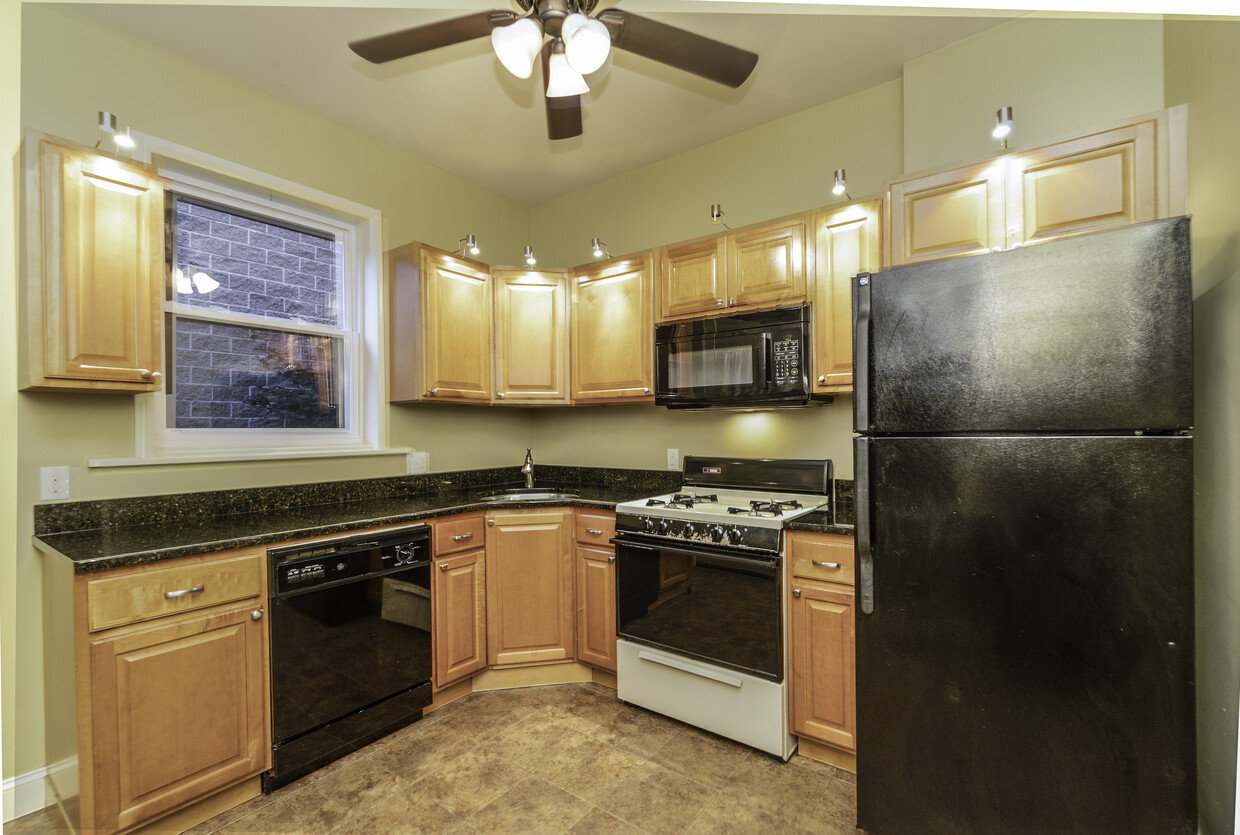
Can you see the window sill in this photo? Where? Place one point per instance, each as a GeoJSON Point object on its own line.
{"type": "Point", "coordinates": [222, 457]}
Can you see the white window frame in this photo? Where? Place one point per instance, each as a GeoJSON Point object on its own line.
{"type": "Point", "coordinates": [364, 384]}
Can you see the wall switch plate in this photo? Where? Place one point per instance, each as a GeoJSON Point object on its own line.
{"type": "Point", "coordinates": [53, 483]}
{"type": "Point", "coordinates": [673, 459]}
{"type": "Point", "coordinates": [419, 462]}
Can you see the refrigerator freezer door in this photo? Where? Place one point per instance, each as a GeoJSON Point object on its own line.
{"type": "Point", "coordinates": [1086, 334]}
{"type": "Point", "coordinates": [1028, 666]}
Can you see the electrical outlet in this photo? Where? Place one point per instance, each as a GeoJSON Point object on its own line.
{"type": "Point", "coordinates": [419, 462]}
{"type": "Point", "coordinates": [53, 483]}
{"type": "Point", "coordinates": [673, 459]}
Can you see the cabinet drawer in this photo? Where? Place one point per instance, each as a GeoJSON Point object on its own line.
{"type": "Point", "coordinates": [822, 557]}
{"type": "Point", "coordinates": [595, 528]}
{"type": "Point", "coordinates": [459, 533]}
{"type": "Point", "coordinates": [131, 598]}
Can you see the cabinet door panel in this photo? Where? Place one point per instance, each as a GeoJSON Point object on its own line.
{"type": "Point", "coordinates": [460, 616]}
{"type": "Point", "coordinates": [178, 711]}
{"type": "Point", "coordinates": [692, 279]}
{"type": "Point", "coordinates": [1084, 185]}
{"type": "Point", "coordinates": [457, 328]}
{"type": "Point", "coordinates": [531, 336]}
{"type": "Point", "coordinates": [530, 611]}
{"type": "Point", "coordinates": [824, 690]}
{"type": "Point", "coordinates": [766, 266]}
{"type": "Point", "coordinates": [957, 212]}
{"type": "Point", "coordinates": [96, 298]}
{"type": "Point", "coordinates": [613, 331]}
{"type": "Point", "coordinates": [848, 242]}
{"type": "Point", "coordinates": [596, 606]}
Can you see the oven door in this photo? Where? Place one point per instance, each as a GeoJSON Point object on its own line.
{"type": "Point", "coordinates": [718, 608]}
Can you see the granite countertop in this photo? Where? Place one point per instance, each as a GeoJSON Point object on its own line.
{"type": "Point", "coordinates": [818, 522]}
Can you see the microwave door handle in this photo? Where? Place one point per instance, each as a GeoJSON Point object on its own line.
{"type": "Point", "coordinates": [768, 361]}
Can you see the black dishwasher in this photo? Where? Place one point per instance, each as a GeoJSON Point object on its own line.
{"type": "Point", "coordinates": [350, 645]}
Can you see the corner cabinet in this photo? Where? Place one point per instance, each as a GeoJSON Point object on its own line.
{"type": "Point", "coordinates": [531, 336]}
{"type": "Point", "coordinates": [745, 269]}
{"type": "Point", "coordinates": [848, 240]}
{"type": "Point", "coordinates": [440, 326]}
{"type": "Point", "coordinates": [529, 570]}
{"type": "Point", "coordinates": [596, 589]}
{"type": "Point", "coordinates": [172, 684]}
{"type": "Point", "coordinates": [1115, 176]}
{"type": "Point", "coordinates": [823, 639]}
{"type": "Point", "coordinates": [613, 331]}
{"type": "Point", "coordinates": [458, 598]}
{"type": "Point", "coordinates": [95, 262]}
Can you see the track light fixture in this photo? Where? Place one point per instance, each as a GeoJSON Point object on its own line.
{"type": "Point", "coordinates": [107, 124]}
{"type": "Point", "coordinates": [841, 185]}
{"type": "Point", "coordinates": [599, 248]}
{"type": "Point", "coordinates": [529, 255]}
{"type": "Point", "coordinates": [467, 244]}
{"type": "Point", "coordinates": [1003, 125]}
{"type": "Point", "coordinates": [717, 215]}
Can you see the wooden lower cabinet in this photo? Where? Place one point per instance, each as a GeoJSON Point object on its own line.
{"type": "Point", "coordinates": [529, 570]}
{"type": "Point", "coordinates": [596, 589]}
{"type": "Point", "coordinates": [459, 614]}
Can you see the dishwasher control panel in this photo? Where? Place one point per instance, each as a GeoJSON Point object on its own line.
{"type": "Point", "coordinates": [301, 568]}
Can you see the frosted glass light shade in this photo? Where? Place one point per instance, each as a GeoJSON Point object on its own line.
{"type": "Point", "coordinates": [563, 80]}
{"type": "Point", "coordinates": [586, 43]}
{"type": "Point", "coordinates": [516, 45]}
{"type": "Point", "coordinates": [204, 283]}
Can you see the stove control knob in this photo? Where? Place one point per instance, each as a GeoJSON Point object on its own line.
{"type": "Point", "coordinates": [647, 524]}
{"type": "Point", "coordinates": [734, 536]}
{"type": "Point", "coordinates": [716, 533]}
{"type": "Point", "coordinates": [664, 526]}
{"type": "Point", "coordinates": [690, 530]}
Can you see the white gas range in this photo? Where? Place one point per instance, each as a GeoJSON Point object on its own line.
{"type": "Point", "coordinates": [700, 595]}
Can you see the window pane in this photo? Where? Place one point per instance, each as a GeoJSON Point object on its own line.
{"type": "Point", "coordinates": [228, 261]}
{"type": "Point", "coordinates": [230, 377]}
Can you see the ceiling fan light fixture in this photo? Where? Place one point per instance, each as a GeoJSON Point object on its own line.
{"type": "Point", "coordinates": [517, 45]}
{"type": "Point", "coordinates": [562, 79]}
{"type": "Point", "coordinates": [586, 43]}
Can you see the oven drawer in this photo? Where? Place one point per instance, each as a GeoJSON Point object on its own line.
{"type": "Point", "coordinates": [822, 556]}
{"type": "Point", "coordinates": [135, 597]}
{"type": "Point", "coordinates": [595, 527]}
{"type": "Point", "coordinates": [459, 533]}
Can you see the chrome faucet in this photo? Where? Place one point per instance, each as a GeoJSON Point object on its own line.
{"type": "Point", "coordinates": [528, 469]}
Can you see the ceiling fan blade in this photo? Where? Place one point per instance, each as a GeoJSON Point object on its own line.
{"type": "Point", "coordinates": [679, 48]}
{"type": "Point", "coordinates": [563, 112]}
{"type": "Point", "coordinates": [383, 48]}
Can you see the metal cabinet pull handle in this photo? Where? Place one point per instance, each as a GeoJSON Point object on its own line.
{"type": "Point", "coordinates": [718, 302]}
{"type": "Point", "coordinates": [822, 378]}
{"type": "Point", "coordinates": [731, 301]}
{"type": "Point", "coordinates": [645, 390]}
{"type": "Point", "coordinates": [499, 395]}
{"type": "Point", "coordinates": [147, 374]}
{"type": "Point", "coordinates": [826, 564]}
{"type": "Point", "coordinates": [593, 531]}
{"type": "Point", "coordinates": [170, 595]}
{"type": "Point", "coordinates": [433, 392]}
{"type": "Point", "coordinates": [490, 523]}
{"type": "Point", "coordinates": [611, 557]}
{"type": "Point", "coordinates": [796, 592]}
{"type": "Point", "coordinates": [257, 614]}
{"type": "Point", "coordinates": [443, 566]}
{"type": "Point", "coordinates": [462, 537]}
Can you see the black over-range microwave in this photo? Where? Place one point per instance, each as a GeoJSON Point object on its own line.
{"type": "Point", "coordinates": [745, 361]}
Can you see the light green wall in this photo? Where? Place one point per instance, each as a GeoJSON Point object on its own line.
{"type": "Point", "coordinates": [10, 137]}
{"type": "Point", "coordinates": [776, 169]}
{"type": "Point", "coordinates": [1059, 76]}
{"type": "Point", "coordinates": [1203, 64]}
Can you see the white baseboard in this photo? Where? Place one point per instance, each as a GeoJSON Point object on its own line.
{"type": "Point", "coordinates": [35, 790]}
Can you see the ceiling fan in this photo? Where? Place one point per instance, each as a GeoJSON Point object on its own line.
{"type": "Point", "coordinates": [578, 45]}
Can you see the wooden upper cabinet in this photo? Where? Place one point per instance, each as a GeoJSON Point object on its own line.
{"type": "Point", "coordinates": [766, 265]}
{"type": "Point", "coordinates": [94, 296]}
{"type": "Point", "coordinates": [613, 331]}
{"type": "Point", "coordinates": [531, 336]}
{"type": "Point", "coordinates": [692, 278]}
{"type": "Point", "coordinates": [947, 214]}
{"type": "Point", "coordinates": [848, 240]}
{"type": "Point", "coordinates": [1086, 184]}
{"type": "Point", "coordinates": [440, 334]}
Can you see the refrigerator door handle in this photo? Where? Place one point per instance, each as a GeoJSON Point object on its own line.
{"type": "Point", "coordinates": [865, 554]}
{"type": "Point", "coordinates": [861, 352]}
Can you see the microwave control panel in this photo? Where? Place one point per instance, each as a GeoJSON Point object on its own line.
{"type": "Point", "coordinates": [786, 360]}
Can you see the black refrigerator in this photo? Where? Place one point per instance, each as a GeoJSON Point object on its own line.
{"type": "Point", "coordinates": [1024, 633]}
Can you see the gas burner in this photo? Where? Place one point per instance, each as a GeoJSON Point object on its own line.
{"type": "Point", "coordinates": [655, 502]}
{"type": "Point", "coordinates": [688, 500]}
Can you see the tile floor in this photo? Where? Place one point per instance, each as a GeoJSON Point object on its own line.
{"type": "Point", "coordinates": [561, 758]}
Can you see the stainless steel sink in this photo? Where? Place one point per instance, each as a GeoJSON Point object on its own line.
{"type": "Point", "coordinates": [523, 495]}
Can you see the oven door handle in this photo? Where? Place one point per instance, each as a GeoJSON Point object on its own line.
{"type": "Point", "coordinates": [718, 559]}
{"type": "Point", "coordinates": [686, 666]}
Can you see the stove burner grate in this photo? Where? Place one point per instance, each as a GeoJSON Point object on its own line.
{"type": "Point", "coordinates": [688, 500]}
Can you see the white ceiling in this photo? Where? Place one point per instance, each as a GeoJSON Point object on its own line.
{"type": "Point", "coordinates": [458, 108]}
